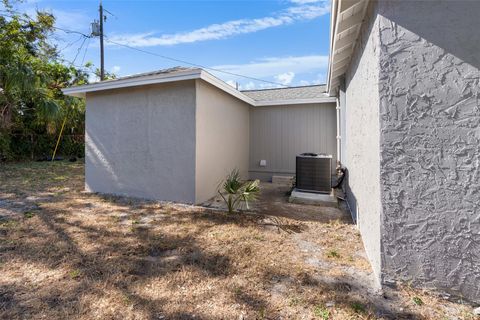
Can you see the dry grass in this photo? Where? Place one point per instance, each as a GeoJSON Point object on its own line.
{"type": "Point", "coordinates": [65, 253]}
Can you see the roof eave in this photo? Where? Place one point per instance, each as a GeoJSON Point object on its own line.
{"type": "Point", "coordinates": [325, 99]}
{"type": "Point", "coordinates": [206, 76]}
{"type": "Point", "coordinates": [346, 20]}
{"type": "Point", "coordinates": [80, 91]}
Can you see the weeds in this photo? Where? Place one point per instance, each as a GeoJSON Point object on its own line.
{"type": "Point", "coordinates": [358, 307]}
{"type": "Point", "coordinates": [333, 254]}
{"type": "Point", "coordinates": [321, 312]}
{"type": "Point", "coordinates": [294, 302]}
{"type": "Point", "coordinates": [417, 301]}
{"type": "Point", "coordinates": [28, 214]}
{"type": "Point", "coordinates": [75, 274]}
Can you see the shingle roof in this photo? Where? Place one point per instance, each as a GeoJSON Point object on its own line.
{"type": "Point", "coordinates": [292, 93]}
{"type": "Point", "coordinates": [266, 97]}
{"type": "Point", "coordinates": [156, 72]}
{"type": "Point", "coordinates": [306, 92]}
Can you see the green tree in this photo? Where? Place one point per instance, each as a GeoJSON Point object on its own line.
{"type": "Point", "coordinates": [31, 78]}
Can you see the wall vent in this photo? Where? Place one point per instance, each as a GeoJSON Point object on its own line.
{"type": "Point", "coordinates": [313, 172]}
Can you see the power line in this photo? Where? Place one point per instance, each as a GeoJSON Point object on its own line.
{"type": "Point", "coordinates": [79, 67]}
{"type": "Point", "coordinates": [71, 31]}
{"type": "Point", "coordinates": [116, 18]}
{"type": "Point", "coordinates": [71, 44]}
{"type": "Point", "coordinates": [85, 52]}
{"type": "Point", "coordinates": [79, 49]}
{"type": "Point", "coordinates": [24, 19]}
{"type": "Point", "coordinates": [193, 64]}
{"type": "Point", "coordinates": [164, 56]}
{"type": "Point", "coordinates": [82, 36]}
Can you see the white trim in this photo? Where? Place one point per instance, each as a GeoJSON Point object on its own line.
{"type": "Point", "coordinates": [333, 22]}
{"type": "Point", "coordinates": [225, 87]}
{"type": "Point", "coordinates": [346, 19]}
{"type": "Point", "coordinates": [326, 99]}
{"type": "Point", "coordinates": [80, 91]}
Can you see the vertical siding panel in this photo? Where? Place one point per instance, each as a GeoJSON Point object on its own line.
{"type": "Point", "coordinates": [279, 133]}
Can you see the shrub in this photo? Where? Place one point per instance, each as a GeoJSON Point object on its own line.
{"type": "Point", "coordinates": [234, 191]}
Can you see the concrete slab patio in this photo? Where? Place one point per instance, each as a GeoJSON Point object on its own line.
{"type": "Point", "coordinates": [274, 200]}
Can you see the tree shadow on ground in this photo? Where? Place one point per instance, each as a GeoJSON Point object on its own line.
{"type": "Point", "coordinates": [114, 260]}
{"type": "Point", "coordinates": [88, 256]}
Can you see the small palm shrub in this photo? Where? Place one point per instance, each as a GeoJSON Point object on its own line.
{"type": "Point", "coordinates": [234, 191]}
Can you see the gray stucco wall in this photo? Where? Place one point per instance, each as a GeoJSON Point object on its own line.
{"type": "Point", "coordinates": [361, 139]}
{"type": "Point", "coordinates": [279, 133]}
{"type": "Point", "coordinates": [141, 142]}
{"type": "Point", "coordinates": [222, 138]}
{"type": "Point", "coordinates": [430, 143]}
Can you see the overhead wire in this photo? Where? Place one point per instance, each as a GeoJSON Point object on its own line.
{"type": "Point", "coordinates": [191, 63]}
{"type": "Point", "coordinates": [79, 49]}
{"type": "Point", "coordinates": [7, 14]}
{"type": "Point", "coordinates": [85, 52]}
{"type": "Point", "coordinates": [71, 43]}
{"type": "Point", "coordinates": [158, 55]}
{"type": "Point", "coordinates": [82, 36]}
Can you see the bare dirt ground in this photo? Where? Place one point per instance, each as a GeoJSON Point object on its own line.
{"type": "Point", "coordinates": [68, 254]}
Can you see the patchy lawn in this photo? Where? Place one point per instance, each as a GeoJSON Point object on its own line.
{"type": "Point", "coordinates": [65, 253]}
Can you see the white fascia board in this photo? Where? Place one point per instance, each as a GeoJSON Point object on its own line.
{"type": "Point", "coordinates": [346, 17]}
{"type": "Point", "coordinates": [333, 24]}
{"type": "Point", "coordinates": [80, 91]}
{"type": "Point", "coordinates": [326, 99]}
{"type": "Point", "coordinates": [206, 76]}
{"type": "Point", "coordinates": [225, 87]}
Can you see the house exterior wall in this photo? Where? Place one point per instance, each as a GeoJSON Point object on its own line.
{"type": "Point", "coordinates": [141, 142]}
{"type": "Point", "coordinates": [279, 133]}
{"type": "Point", "coordinates": [430, 143]}
{"type": "Point", "coordinates": [361, 139]}
{"type": "Point", "coordinates": [222, 138]}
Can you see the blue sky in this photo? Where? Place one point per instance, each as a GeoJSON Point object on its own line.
{"type": "Point", "coordinates": [283, 41]}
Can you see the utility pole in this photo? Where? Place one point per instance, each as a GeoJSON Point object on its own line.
{"type": "Point", "coordinates": [102, 65]}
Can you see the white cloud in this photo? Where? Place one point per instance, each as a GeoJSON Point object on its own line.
{"type": "Point", "coordinates": [304, 1]}
{"type": "Point", "coordinates": [73, 20]}
{"type": "Point", "coordinates": [116, 69]}
{"type": "Point", "coordinates": [273, 66]}
{"type": "Point", "coordinates": [231, 83]}
{"type": "Point", "coordinates": [92, 78]}
{"type": "Point", "coordinates": [77, 20]}
{"type": "Point", "coordinates": [280, 70]}
{"type": "Point", "coordinates": [226, 29]}
{"type": "Point", "coordinates": [285, 78]}
{"type": "Point", "coordinates": [248, 86]}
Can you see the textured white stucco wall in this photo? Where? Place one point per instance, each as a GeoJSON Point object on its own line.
{"type": "Point", "coordinates": [222, 138]}
{"type": "Point", "coordinates": [279, 133]}
{"type": "Point", "coordinates": [141, 142]}
{"type": "Point", "coordinates": [361, 139]}
{"type": "Point", "coordinates": [430, 143]}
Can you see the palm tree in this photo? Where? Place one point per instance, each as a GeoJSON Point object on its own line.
{"type": "Point", "coordinates": [234, 191]}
